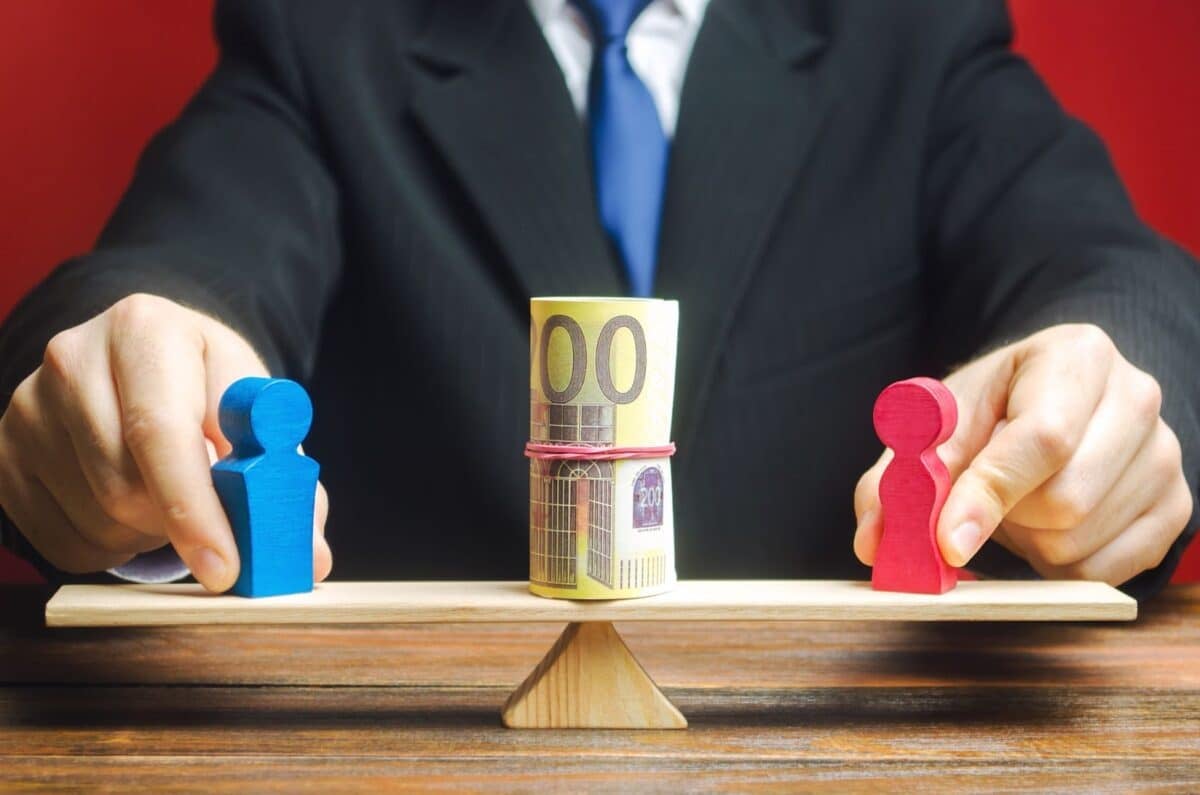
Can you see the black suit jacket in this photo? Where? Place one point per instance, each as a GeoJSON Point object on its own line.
{"type": "Point", "coordinates": [858, 192]}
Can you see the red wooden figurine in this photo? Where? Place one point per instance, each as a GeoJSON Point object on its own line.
{"type": "Point", "coordinates": [912, 418]}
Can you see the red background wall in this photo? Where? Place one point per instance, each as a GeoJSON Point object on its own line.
{"type": "Point", "coordinates": [1131, 69]}
{"type": "Point", "coordinates": [84, 83]}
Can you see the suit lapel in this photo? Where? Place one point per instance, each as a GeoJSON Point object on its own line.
{"type": "Point", "coordinates": [751, 107]}
{"type": "Point", "coordinates": [488, 91]}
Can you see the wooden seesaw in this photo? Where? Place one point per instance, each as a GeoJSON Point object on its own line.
{"type": "Point", "coordinates": [589, 678]}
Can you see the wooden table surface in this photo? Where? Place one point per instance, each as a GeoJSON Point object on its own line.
{"type": "Point", "coordinates": [785, 706]}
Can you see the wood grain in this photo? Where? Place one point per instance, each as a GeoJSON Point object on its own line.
{"type": "Point", "coordinates": [912, 418]}
{"type": "Point", "coordinates": [241, 772]}
{"type": "Point", "coordinates": [805, 706]}
{"type": "Point", "coordinates": [695, 600]}
{"type": "Point", "coordinates": [589, 680]}
{"type": "Point", "coordinates": [797, 724]}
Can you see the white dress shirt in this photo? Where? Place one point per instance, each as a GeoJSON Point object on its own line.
{"type": "Point", "coordinates": [659, 45]}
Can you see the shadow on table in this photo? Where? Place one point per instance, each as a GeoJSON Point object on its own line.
{"type": "Point", "coordinates": [253, 708]}
{"type": "Point", "coordinates": [862, 707]}
{"type": "Point", "coordinates": [962, 655]}
{"type": "Point", "coordinates": [130, 708]}
{"type": "Point", "coordinates": [921, 675]}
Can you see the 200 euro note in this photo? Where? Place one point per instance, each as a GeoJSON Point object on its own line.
{"type": "Point", "coordinates": [602, 380]}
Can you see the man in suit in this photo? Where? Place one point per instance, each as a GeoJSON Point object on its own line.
{"type": "Point", "coordinates": [840, 194]}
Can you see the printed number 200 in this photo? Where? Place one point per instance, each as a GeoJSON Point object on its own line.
{"type": "Point", "coordinates": [650, 497]}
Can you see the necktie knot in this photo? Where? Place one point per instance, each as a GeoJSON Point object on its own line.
{"type": "Point", "coordinates": [610, 20]}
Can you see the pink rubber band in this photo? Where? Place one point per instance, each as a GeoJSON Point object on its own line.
{"type": "Point", "coordinates": [575, 452]}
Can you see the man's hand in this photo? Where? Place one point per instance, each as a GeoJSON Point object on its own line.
{"type": "Point", "coordinates": [105, 449]}
{"type": "Point", "coordinates": [1061, 456]}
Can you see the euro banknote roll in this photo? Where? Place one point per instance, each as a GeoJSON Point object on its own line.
{"type": "Point", "coordinates": [602, 384]}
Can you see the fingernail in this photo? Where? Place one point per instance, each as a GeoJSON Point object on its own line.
{"type": "Point", "coordinates": [208, 566]}
{"type": "Point", "coordinates": [966, 539]}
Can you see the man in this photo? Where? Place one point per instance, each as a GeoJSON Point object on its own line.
{"type": "Point", "coordinates": [365, 195]}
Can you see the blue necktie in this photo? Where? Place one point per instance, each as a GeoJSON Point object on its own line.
{"type": "Point", "coordinates": [629, 149]}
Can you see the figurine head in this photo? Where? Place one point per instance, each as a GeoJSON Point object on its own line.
{"type": "Point", "coordinates": [914, 415]}
{"type": "Point", "coordinates": [262, 414]}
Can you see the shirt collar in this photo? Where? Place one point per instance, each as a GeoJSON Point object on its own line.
{"type": "Point", "coordinates": [546, 10]}
{"type": "Point", "coordinates": [690, 10]}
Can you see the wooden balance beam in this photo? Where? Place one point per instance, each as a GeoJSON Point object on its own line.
{"type": "Point", "coordinates": [589, 678]}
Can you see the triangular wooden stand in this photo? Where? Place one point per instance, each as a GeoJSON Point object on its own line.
{"type": "Point", "coordinates": [590, 680]}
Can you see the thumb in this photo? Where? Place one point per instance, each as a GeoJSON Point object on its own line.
{"type": "Point", "coordinates": [1024, 426]}
{"type": "Point", "coordinates": [981, 390]}
{"type": "Point", "coordinates": [869, 529]}
{"type": "Point", "coordinates": [322, 555]}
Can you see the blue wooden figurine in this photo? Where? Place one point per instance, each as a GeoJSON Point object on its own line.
{"type": "Point", "coordinates": [267, 486]}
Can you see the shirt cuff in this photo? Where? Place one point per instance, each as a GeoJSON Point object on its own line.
{"type": "Point", "coordinates": [159, 566]}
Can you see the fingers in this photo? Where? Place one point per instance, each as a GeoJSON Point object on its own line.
{"type": "Point", "coordinates": [227, 357]}
{"type": "Point", "coordinates": [106, 449]}
{"type": "Point", "coordinates": [159, 373]}
{"type": "Point", "coordinates": [1063, 457]}
{"type": "Point", "coordinates": [71, 492]}
{"type": "Point", "coordinates": [1152, 485]}
{"type": "Point", "coordinates": [49, 530]}
{"type": "Point", "coordinates": [981, 390]}
{"type": "Point", "coordinates": [866, 510]}
{"type": "Point", "coordinates": [322, 555]}
{"type": "Point", "coordinates": [1124, 420]}
{"type": "Point", "coordinates": [75, 387]}
{"type": "Point", "coordinates": [867, 536]}
{"type": "Point", "coordinates": [51, 494]}
{"type": "Point", "coordinates": [1052, 396]}
{"type": "Point", "coordinates": [1145, 482]}
{"type": "Point", "coordinates": [1142, 546]}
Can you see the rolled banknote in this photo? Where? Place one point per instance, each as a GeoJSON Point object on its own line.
{"type": "Point", "coordinates": [602, 382]}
